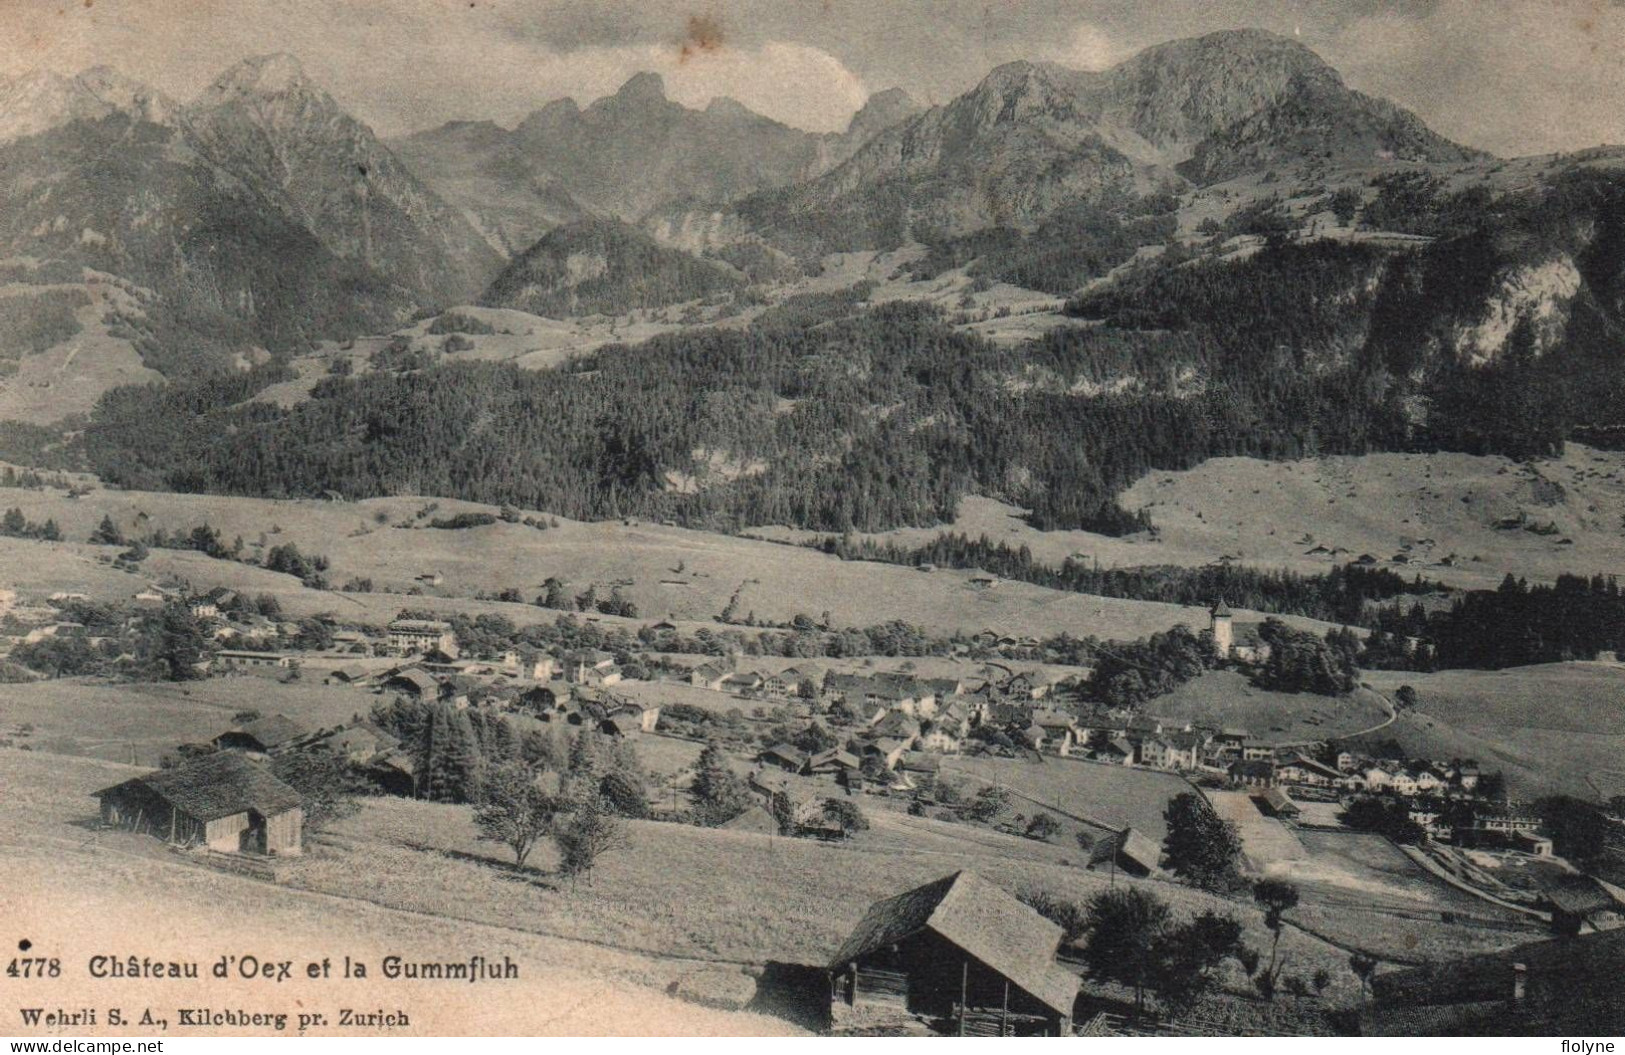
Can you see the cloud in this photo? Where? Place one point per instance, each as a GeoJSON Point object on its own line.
{"type": "Point", "coordinates": [1511, 76]}
{"type": "Point", "coordinates": [1089, 48]}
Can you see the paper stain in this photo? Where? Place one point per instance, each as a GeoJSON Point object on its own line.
{"type": "Point", "coordinates": [702, 36]}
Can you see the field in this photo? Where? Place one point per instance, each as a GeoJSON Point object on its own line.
{"type": "Point", "coordinates": [1105, 796]}
{"type": "Point", "coordinates": [659, 907]}
{"type": "Point", "coordinates": [1426, 506]}
{"type": "Point", "coordinates": [138, 724]}
{"type": "Point", "coordinates": [774, 582]}
{"type": "Point", "coordinates": [1226, 698]}
{"type": "Point", "coordinates": [120, 894]}
{"type": "Point", "coordinates": [1557, 726]}
{"type": "Point", "coordinates": [1362, 892]}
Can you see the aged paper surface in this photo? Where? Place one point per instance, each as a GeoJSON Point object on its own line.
{"type": "Point", "coordinates": [578, 517]}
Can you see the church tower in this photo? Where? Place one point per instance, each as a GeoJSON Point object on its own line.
{"type": "Point", "coordinates": [1222, 623]}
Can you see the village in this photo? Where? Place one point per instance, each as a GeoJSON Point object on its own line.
{"type": "Point", "coordinates": [833, 751]}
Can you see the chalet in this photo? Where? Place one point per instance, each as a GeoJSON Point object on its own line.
{"type": "Point", "coordinates": [408, 637]}
{"type": "Point", "coordinates": [223, 801]}
{"type": "Point", "coordinates": [922, 768]}
{"type": "Point", "coordinates": [1278, 804]}
{"type": "Point", "coordinates": [351, 641]}
{"type": "Point", "coordinates": [958, 714]}
{"type": "Point", "coordinates": [1057, 726]}
{"type": "Point", "coordinates": [645, 714]}
{"type": "Point", "coordinates": [414, 682]}
{"type": "Point", "coordinates": [1253, 773]}
{"type": "Point", "coordinates": [1257, 753]}
{"type": "Point", "coordinates": [783, 756]}
{"type": "Point", "coordinates": [548, 696]}
{"type": "Point", "coordinates": [829, 763]}
{"type": "Point", "coordinates": [359, 743]}
{"type": "Point", "coordinates": [959, 950]}
{"type": "Point", "coordinates": [1155, 751]}
{"type": "Point", "coordinates": [352, 674]}
{"type": "Point", "coordinates": [887, 750]}
{"type": "Point", "coordinates": [263, 736]}
{"type": "Point", "coordinates": [1347, 761]}
{"type": "Point", "coordinates": [897, 726]}
{"type": "Point", "coordinates": [747, 683]}
{"type": "Point", "coordinates": [1184, 749]}
{"type": "Point", "coordinates": [783, 685]}
{"type": "Point", "coordinates": [1130, 851]}
{"type": "Point", "coordinates": [622, 725]}
{"type": "Point", "coordinates": [709, 676]}
{"type": "Point", "coordinates": [394, 772]}
{"type": "Point", "coordinates": [1117, 752]}
{"type": "Point", "coordinates": [593, 668]}
{"type": "Point", "coordinates": [935, 736]}
{"type": "Point", "coordinates": [1301, 769]}
{"type": "Point", "coordinates": [249, 661]}
{"type": "Point", "coordinates": [1142, 725]}
{"type": "Point", "coordinates": [1025, 687]}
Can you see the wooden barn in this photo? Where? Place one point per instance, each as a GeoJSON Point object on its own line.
{"type": "Point", "coordinates": [224, 801]}
{"type": "Point", "coordinates": [960, 951]}
{"type": "Point", "coordinates": [262, 736]}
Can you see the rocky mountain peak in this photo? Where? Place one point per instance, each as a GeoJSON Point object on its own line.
{"type": "Point", "coordinates": [646, 85]}
{"type": "Point", "coordinates": [277, 74]}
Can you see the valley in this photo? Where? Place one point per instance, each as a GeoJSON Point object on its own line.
{"type": "Point", "coordinates": [1146, 535]}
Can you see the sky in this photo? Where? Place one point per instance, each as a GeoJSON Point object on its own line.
{"type": "Point", "coordinates": [1510, 76]}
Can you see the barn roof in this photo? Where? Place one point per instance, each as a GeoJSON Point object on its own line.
{"type": "Point", "coordinates": [1581, 896]}
{"type": "Point", "coordinates": [216, 785]}
{"type": "Point", "coordinates": [421, 680]}
{"type": "Point", "coordinates": [271, 731]}
{"type": "Point", "coordinates": [1279, 801]}
{"type": "Point", "coordinates": [755, 819]}
{"type": "Point", "coordinates": [1139, 848]}
{"type": "Point", "coordinates": [979, 918]}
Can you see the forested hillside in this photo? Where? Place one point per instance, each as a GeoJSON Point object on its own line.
{"type": "Point", "coordinates": [828, 413]}
{"type": "Point", "coordinates": [603, 267]}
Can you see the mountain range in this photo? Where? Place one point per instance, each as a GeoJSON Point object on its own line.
{"type": "Point", "coordinates": [261, 217]}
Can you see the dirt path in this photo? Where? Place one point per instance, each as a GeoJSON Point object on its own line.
{"type": "Point", "coordinates": [1387, 704]}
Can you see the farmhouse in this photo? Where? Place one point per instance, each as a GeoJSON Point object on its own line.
{"type": "Point", "coordinates": [359, 743]}
{"type": "Point", "coordinates": [414, 682]}
{"type": "Point", "coordinates": [959, 950]}
{"type": "Point", "coordinates": [223, 801]}
{"type": "Point", "coordinates": [593, 668]}
{"type": "Point", "coordinates": [709, 676]}
{"type": "Point", "coordinates": [784, 756]}
{"type": "Point", "coordinates": [830, 763]}
{"type": "Point", "coordinates": [262, 736]}
{"type": "Point", "coordinates": [1301, 769]}
{"type": "Point", "coordinates": [413, 636]}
